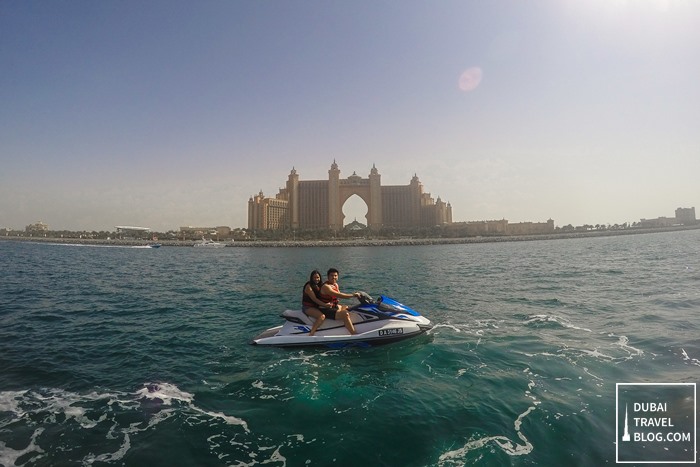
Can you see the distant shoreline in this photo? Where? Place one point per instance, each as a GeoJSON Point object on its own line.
{"type": "Point", "coordinates": [357, 242]}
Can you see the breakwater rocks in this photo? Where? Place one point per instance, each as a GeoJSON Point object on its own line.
{"type": "Point", "coordinates": [367, 242]}
{"type": "Point", "coordinates": [364, 242]}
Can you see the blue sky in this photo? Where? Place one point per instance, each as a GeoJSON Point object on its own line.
{"type": "Point", "coordinates": [173, 113]}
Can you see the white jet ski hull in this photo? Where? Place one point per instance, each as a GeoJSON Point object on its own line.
{"type": "Point", "coordinates": [333, 333]}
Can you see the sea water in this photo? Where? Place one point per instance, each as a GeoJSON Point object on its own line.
{"type": "Point", "coordinates": [122, 356]}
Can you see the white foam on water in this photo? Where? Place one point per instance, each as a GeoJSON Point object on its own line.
{"type": "Point", "coordinates": [53, 403]}
{"type": "Point", "coordinates": [603, 352]}
{"type": "Point", "coordinates": [9, 456]}
{"type": "Point", "coordinates": [168, 393]}
{"type": "Point", "coordinates": [448, 326]}
{"type": "Point", "coordinates": [112, 456]}
{"type": "Point", "coordinates": [10, 402]}
{"type": "Point", "coordinates": [277, 457]}
{"type": "Point", "coordinates": [260, 385]}
{"type": "Point", "coordinates": [560, 320]}
{"type": "Point", "coordinates": [477, 328]}
{"type": "Point", "coordinates": [692, 361]}
{"type": "Point", "coordinates": [270, 392]}
{"type": "Point", "coordinates": [165, 392]}
{"type": "Point", "coordinates": [51, 407]}
{"type": "Point", "coordinates": [456, 457]}
{"type": "Point", "coordinates": [366, 404]}
{"type": "Point", "coordinates": [231, 420]}
{"type": "Point", "coordinates": [623, 343]}
{"type": "Point", "coordinates": [488, 323]}
{"type": "Point", "coordinates": [424, 362]}
{"type": "Point", "coordinates": [585, 369]}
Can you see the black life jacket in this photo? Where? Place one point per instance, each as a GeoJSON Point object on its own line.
{"type": "Point", "coordinates": [305, 299]}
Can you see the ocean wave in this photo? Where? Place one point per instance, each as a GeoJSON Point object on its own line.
{"type": "Point", "coordinates": [116, 416]}
{"type": "Point", "coordinates": [552, 320]}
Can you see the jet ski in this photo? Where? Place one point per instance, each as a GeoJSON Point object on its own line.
{"type": "Point", "coordinates": [377, 322]}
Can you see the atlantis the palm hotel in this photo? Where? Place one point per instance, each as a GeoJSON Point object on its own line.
{"type": "Point", "coordinates": [318, 205]}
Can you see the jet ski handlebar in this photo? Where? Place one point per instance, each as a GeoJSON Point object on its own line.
{"type": "Point", "coordinates": [365, 298]}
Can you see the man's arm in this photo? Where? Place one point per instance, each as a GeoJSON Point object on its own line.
{"type": "Point", "coordinates": [327, 290]}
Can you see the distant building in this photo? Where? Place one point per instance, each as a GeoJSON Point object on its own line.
{"type": "Point", "coordinates": [686, 216]}
{"type": "Point", "coordinates": [39, 227]}
{"type": "Point", "coordinates": [499, 227]}
{"type": "Point", "coordinates": [478, 228]}
{"type": "Point", "coordinates": [221, 231]}
{"type": "Point", "coordinates": [658, 222]}
{"type": "Point", "coordinates": [267, 213]}
{"type": "Point", "coordinates": [318, 204]}
{"type": "Point", "coordinates": [531, 228]}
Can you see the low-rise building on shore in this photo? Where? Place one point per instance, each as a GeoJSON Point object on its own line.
{"type": "Point", "coordinates": [220, 231]}
{"type": "Point", "coordinates": [684, 216]}
{"type": "Point", "coordinates": [498, 227]}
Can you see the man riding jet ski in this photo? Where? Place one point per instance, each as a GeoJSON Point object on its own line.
{"type": "Point", "coordinates": [376, 322]}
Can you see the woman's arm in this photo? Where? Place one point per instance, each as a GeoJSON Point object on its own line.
{"type": "Point", "coordinates": [310, 293]}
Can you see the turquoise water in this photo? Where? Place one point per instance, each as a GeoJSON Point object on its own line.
{"type": "Point", "coordinates": [123, 356]}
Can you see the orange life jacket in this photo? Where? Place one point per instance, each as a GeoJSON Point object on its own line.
{"type": "Point", "coordinates": [330, 298]}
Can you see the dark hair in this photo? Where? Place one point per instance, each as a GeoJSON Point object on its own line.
{"type": "Point", "coordinates": [313, 273]}
{"type": "Point", "coordinates": [332, 270]}
{"type": "Point", "coordinates": [316, 287]}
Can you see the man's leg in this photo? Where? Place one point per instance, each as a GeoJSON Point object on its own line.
{"type": "Point", "coordinates": [348, 322]}
{"type": "Point", "coordinates": [320, 318]}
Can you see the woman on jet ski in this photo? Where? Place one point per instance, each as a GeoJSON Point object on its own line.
{"type": "Point", "coordinates": [311, 302]}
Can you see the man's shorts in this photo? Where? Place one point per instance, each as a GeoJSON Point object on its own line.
{"type": "Point", "coordinates": [329, 312]}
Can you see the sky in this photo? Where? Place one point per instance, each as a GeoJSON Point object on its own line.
{"type": "Point", "coordinates": [172, 113]}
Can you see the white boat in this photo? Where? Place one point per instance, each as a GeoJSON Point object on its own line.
{"type": "Point", "coordinates": [208, 243]}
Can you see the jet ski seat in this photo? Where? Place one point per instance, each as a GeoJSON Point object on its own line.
{"type": "Point", "coordinates": [297, 316]}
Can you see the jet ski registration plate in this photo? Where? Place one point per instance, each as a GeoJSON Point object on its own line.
{"type": "Point", "coordinates": [389, 332]}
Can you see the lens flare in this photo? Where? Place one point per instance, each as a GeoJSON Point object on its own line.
{"type": "Point", "coordinates": [470, 79]}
